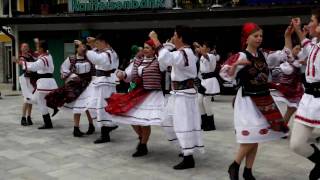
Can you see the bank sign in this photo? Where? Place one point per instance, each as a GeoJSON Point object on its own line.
{"type": "Point", "coordinates": [109, 5]}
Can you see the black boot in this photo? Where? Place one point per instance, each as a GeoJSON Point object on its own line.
{"type": "Point", "coordinates": [247, 174]}
{"type": "Point", "coordinates": [188, 162]}
{"type": "Point", "coordinates": [315, 158]}
{"type": "Point", "coordinates": [55, 111]}
{"type": "Point", "coordinates": [104, 136]}
{"type": "Point", "coordinates": [24, 121]}
{"type": "Point", "coordinates": [77, 132]}
{"type": "Point", "coordinates": [234, 171]}
{"type": "Point", "coordinates": [91, 129]}
{"type": "Point", "coordinates": [142, 150]}
{"type": "Point", "coordinates": [47, 122]}
{"type": "Point", "coordinates": [203, 121]}
{"type": "Point", "coordinates": [29, 121]}
{"type": "Point", "coordinates": [210, 126]}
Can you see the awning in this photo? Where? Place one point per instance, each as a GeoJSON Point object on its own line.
{"type": "Point", "coordinates": [4, 38]}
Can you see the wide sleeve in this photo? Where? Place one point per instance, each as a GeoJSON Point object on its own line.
{"type": "Point", "coordinates": [307, 45]}
{"type": "Point", "coordinates": [98, 58]}
{"type": "Point", "coordinates": [276, 58]}
{"type": "Point", "coordinates": [167, 58]}
{"type": "Point", "coordinates": [35, 66]}
{"type": "Point", "coordinates": [65, 68]}
{"type": "Point", "coordinates": [129, 71]}
{"type": "Point", "coordinates": [213, 61]}
{"type": "Point", "coordinates": [227, 65]}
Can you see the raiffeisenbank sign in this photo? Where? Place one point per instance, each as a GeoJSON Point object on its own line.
{"type": "Point", "coordinates": [109, 5]}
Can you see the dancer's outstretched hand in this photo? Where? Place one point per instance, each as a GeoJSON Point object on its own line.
{"type": "Point", "coordinates": [121, 75]}
{"type": "Point", "coordinates": [296, 23]}
{"type": "Point", "coordinates": [154, 36]}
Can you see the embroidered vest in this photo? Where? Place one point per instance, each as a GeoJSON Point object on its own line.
{"type": "Point", "coordinates": [151, 74]}
{"type": "Point", "coordinates": [73, 60]}
{"type": "Point", "coordinates": [253, 78]}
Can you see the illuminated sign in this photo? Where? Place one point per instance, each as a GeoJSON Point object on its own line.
{"type": "Point", "coordinates": [110, 5]}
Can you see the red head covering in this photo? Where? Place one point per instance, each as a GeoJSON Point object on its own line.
{"type": "Point", "coordinates": [247, 30]}
{"type": "Point", "coordinates": [150, 43]}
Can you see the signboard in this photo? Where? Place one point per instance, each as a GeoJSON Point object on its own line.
{"type": "Point", "coordinates": [110, 5]}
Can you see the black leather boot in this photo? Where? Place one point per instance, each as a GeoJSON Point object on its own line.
{"type": "Point", "coordinates": [104, 136]}
{"type": "Point", "coordinates": [210, 126]}
{"type": "Point", "coordinates": [315, 158]}
{"type": "Point", "coordinates": [47, 122]}
{"type": "Point", "coordinates": [142, 150]}
{"type": "Point", "coordinates": [91, 129]}
{"type": "Point", "coordinates": [247, 174]}
{"type": "Point", "coordinates": [24, 121]}
{"type": "Point", "coordinates": [77, 132]}
{"type": "Point", "coordinates": [234, 171]}
{"type": "Point", "coordinates": [203, 121]}
{"type": "Point", "coordinates": [187, 162]}
{"type": "Point", "coordinates": [29, 121]}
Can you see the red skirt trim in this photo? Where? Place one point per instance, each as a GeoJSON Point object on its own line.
{"type": "Point", "coordinates": [120, 103]}
{"type": "Point", "coordinates": [271, 112]}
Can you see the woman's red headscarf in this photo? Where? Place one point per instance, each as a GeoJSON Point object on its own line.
{"type": "Point", "coordinates": [150, 43]}
{"type": "Point", "coordinates": [247, 30]}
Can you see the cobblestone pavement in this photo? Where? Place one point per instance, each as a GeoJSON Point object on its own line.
{"type": "Point", "coordinates": [28, 153]}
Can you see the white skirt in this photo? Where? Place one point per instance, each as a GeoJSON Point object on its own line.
{"type": "Point", "coordinates": [80, 104]}
{"type": "Point", "coordinates": [149, 112]}
{"type": "Point", "coordinates": [91, 102]}
{"type": "Point", "coordinates": [278, 97]}
{"type": "Point", "coordinates": [212, 86]}
{"type": "Point", "coordinates": [46, 85]}
{"type": "Point", "coordinates": [250, 124]}
{"type": "Point", "coordinates": [308, 112]}
{"type": "Point", "coordinates": [102, 91]}
{"type": "Point", "coordinates": [26, 88]}
{"type": "Point", "coordinates": [182, 122]}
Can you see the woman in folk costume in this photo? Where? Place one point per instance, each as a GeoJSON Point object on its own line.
{"type": "Point", "coordinates": [286, 63]}
{"type": "Point", "coordinates": [210, 86]}
{"type": "Point", "coordinates": [106, 61]}
{"type": "Point", "coordinates": [308, 113]}
{"type": "Point", "coordinates": [143, 105]}
{"type": "Point", "coordinates": [45, 83]}
{"type": "Point", "coordinates": [256, 117]}
{"type": "Point", "coordinates": [182, 119]}
{"type": "Point", "coordinates": [28, 82]}
{"type": "Point", "coordinates": [76, 72]}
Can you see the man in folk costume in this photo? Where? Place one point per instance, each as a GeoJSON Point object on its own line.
{"type": "Point", "coordinates": [45, 83]}
{"type": "Point", "coordinates": [76, 72]}
{"type": "Point", "coordinates": [28, 82]}
{"type": "Point", "coordinates": [308, 113]}
{"type": "Point", "coordinates": [256, 116]}
{"type": "Point", "coordinates": [106, 61]}
{"type": "Point", "coordinates": [209, 85]}
{"type": "Point", "coordinates": [182, 119]}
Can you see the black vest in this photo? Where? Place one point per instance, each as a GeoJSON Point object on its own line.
{"type": "Point", "coordinates": [253, 78]}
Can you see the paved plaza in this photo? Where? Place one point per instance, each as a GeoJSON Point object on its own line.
{"type": "Point", "coordinates": [30, 154]}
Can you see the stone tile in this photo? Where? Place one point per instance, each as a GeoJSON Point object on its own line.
{"type": "Point", "coordinates": [27, 153]}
